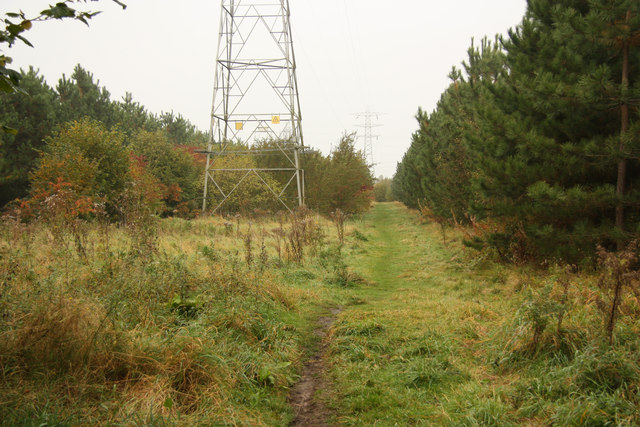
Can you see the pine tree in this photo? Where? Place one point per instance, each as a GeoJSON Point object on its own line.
{"type": "Point", "coordinates": [616, 25]}
{"type": "Point", "coordinates": [33, 113]}
{"type": "Point", "coordinates": [437, 171]}
{"type": "Point", "coordinates": [545, 147]}
{"type": "Point", "coordinates": [80, 96]}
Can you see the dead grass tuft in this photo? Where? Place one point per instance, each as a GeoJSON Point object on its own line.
{"type": "Point", "coordinates": [63, 334]}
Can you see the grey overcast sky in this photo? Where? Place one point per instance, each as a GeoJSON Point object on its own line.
{"type": "Point", "coordinates": [352, 55]}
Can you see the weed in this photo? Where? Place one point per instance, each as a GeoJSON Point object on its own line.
{"type": "Point", "coordinates": [228, 228]}
{"type": "Point", "coordinates": [187, 307]}
{"type": "Point", "coordinates": [279, 237]}
{"type": "Point", "coordinates": [263, 257]}
{"type": "Point", "coordinates": [248, 245]}
{"type": "Point", "coordinates": [304, 232]}
{"type": "Point", "coordinates": [332, 260]}
{"type": "Point", "coordinates": [339, 219]}
{"type": "Point", "coordinates": [564, 283]}
{"type": "Point", "coordinates": [296, 237]}
{"type": "Point", "coordinates": [209, 252]}
{"type": "Point", "coordinates": [542, 307]}
{"type": "Point", "coordinates": [619, 273]}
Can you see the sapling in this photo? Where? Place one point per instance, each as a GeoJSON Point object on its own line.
{"type": "Point", "coordinates": [339, 218]}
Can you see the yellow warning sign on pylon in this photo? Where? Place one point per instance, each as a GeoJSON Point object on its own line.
{"type": "Point", "coordinates": [239, 125]}
{"type": "Point", "coordinates": [275, 120]}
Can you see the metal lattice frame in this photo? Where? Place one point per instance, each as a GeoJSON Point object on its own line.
{"type": "Point", "coordinates": [255, 94]}
{"type": "Point", "coordinates": [368, 136]}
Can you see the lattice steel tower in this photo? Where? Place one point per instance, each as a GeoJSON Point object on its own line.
{"type": "Point", "coordinates": [255, 97]}
{"type": "Point", "coordinates": [368, 136]}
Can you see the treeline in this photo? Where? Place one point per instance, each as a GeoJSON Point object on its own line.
{"type": "Point", "coordinates": [39, 113]}
{"type": "Point", "coordinates": [74, 143]}
{"type": "Point", "coordinates": [536, 140]}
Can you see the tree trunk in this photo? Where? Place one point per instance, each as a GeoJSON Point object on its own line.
{"type": "Point", "coordinates": [624, 128]}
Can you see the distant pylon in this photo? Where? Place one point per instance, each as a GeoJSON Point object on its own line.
{"type": "Point", "coordinates": [255, 95]}
{"type": "Point", "coordinates": [368, 136]}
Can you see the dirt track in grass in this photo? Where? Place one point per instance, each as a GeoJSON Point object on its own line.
{"type": "Point", "coordinates": [306, 396]}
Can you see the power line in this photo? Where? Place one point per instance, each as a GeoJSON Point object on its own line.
{"type": "Point", "coordinates": [360, 76]}
{"type": "Point", "coordinates": [323, 88]}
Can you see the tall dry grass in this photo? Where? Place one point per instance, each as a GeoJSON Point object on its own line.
{"type": "Point", "coordinates": [151, 322]}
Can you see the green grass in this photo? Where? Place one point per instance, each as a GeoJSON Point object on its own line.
{"type": "Point", "coordinates": [430, 333]}
{"type": "Point", "coordinates": [435, 339]}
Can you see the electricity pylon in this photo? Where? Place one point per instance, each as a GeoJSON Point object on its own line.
{"type": "Point", "coordinates": [368, 136]}
{"type": "Point", "coordinates": [255, 96]}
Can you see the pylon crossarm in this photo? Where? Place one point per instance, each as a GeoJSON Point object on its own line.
{"type": "Point", "coordinates": [258, 152]}
{"type": "Point", "coordinates": [256, 118]}
{"type": "Point", "coordinates": [255, 65]}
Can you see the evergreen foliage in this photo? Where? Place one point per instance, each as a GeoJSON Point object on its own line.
{"type": "Point", "coordinates": [33, 116]}
{"type": "Point", "coordinates": [540, 134]}
{"type": "Point", "coordinates": [80, 96]}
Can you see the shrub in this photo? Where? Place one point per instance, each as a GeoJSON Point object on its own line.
{"type": "Point", "coordinates": [175, 169]}
{"type": "Point", "coordinates": [93, 160]}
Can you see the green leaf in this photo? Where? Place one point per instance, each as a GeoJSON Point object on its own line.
{"type": "Point", "coordinates": [59, 11]}
{"type": "Point", "coordinates": [12, 75]}
{"type": "Point", "coordinates": [14, 29]}
{"type": "Point", "coordinates": [4, 60]}
{"type": "Point", "coordinates": [11, 131]}
{"type": "Point", "coordinates": [168, 403]}
{"type": "Point", "coordinates": [25, 41]}
{"type": "Point", "coordinates": [5, 85]}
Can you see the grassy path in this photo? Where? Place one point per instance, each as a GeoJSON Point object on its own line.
{"type": "Point", "coordinates": [404, 350]}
